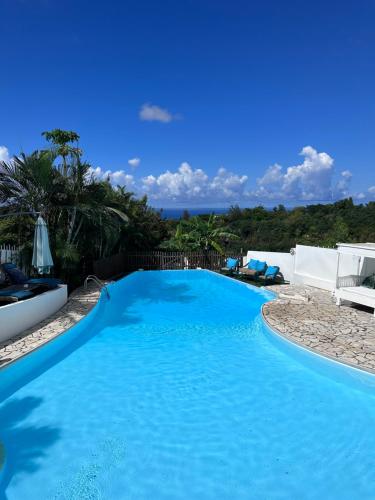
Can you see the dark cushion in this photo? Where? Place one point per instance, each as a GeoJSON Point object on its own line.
{"type": "Point", "coordinates": [15, 275]}
{"type": "Point", "coordinates": [21, 294]}
{"type": "Point", "coordinates": [3, 278]}
{"type": "Point", "coordinates": [369, 282]}
{"type": "Point", "coordinates": [50, 282]}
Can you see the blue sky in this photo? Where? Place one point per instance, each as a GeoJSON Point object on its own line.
{"type": "Point", "coordinates": [216, 99]}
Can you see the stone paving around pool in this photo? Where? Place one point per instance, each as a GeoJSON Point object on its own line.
{"type": "Point", "coordinates": [309, 317]}
{"type": "Point", "coordinates": [80, 302]}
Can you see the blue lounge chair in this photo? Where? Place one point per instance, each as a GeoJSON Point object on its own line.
{"type": "Point", "coordinates": [254, 268]}
{"type": "Point", "coordinates": [231, 265]}
{"type": "Point", "coordinates": [270, 274]}
{"type": "Point", "coordinates": [16, 277]}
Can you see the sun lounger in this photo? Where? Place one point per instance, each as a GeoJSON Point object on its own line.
{"type": "Point", "coordinates": [254, 268]}
{"type": "Point", "coordinates": [16, 277]}
{"type": "Point", "coordinates": [270, 274]}
{"type": "Point", "coordinates": [231, 265]}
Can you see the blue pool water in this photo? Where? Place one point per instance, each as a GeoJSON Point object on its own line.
{"type": "Point", "coordinates": [174, 389]}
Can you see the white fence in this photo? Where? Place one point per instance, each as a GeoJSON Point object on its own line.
{"type": "Point", "coordinates": [8, 253]}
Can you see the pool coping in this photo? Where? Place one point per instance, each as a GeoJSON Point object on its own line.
{"type": "Point", "coordinates": [292, 341]}
{"type": "Point", "coordinates": [320, 354]}
{"type": "Point", "coordinates": [80, 303]}
{"type": "Point", "coordinates": [316, 352]}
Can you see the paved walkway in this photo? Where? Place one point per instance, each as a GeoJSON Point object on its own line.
{"type": "Point", "coordinates": [80, 302]}
{"type": "Point", "coordinates": [309, 316]}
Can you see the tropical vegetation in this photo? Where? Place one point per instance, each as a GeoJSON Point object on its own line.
{"type": "Point", "coordinates": [200, 233]}
{"type": "Point", "coordinates": [278, 229]}
{"type": "Point", "coordinates": [87, 218]}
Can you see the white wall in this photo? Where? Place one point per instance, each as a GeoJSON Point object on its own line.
{"type": "Point", "coordinates": [18, 316]}
{"type": "Point", "coordinates": [285, 261]}
{"type": "Point", "coordinates": [314, 266]}
{"type": "Point", "coordinates": [317, 266]}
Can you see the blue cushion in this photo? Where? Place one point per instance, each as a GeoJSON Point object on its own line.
{"type": "Point", "coordinates": [15, 275]}
{"type": "Point", "coordinates": [50, 282]}
{"type": "Point", "coordinates": [261, 266]}
{"type": "Point", "coordinates": [20, 294]}
{"type": "Point", "coordinates": [272, 271]}
{"type": "Point", "coordinates": [232, 263]}
{"type": "Point", "coordinates": [8, 265]}
{"type": "Point", "coordinates": [253, 264]}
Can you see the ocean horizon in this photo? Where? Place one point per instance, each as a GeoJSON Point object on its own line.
{"type": "Point", "coordinates": [177, 213]}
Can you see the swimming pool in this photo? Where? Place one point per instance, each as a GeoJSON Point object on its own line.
{"type": "Point", "coordinates": [175, 389]}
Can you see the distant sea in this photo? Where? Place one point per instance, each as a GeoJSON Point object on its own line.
{"type": "Point", "coordinates": [176, 213]}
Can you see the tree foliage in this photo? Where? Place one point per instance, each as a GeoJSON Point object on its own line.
{"type": "Point", "coordinates": [87, 219]}
{"type": "Point", "coordinates": [317, 225]}
{"type": "Point", "coordinates": [198, 233]}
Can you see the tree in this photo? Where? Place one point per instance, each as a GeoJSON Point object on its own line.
{"type": "Point", "coordinates": [71, 205]}
{"type": "Point", "coordinates": [87, 219]}
{"type": "Point", "coordinates": [198, 233]}
{"type": "Point", "coordinates": [61, 141]}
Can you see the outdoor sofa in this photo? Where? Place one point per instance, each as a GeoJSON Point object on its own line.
{"type": "Point", "coordinates": [260, 270]}
{"type": "Point", "coordinates": [15, 276]}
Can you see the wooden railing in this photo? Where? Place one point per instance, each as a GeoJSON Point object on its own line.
{"type": "Point", "coordinates": [127, 262]}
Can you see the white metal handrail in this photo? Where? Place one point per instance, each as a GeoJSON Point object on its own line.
{"type": "Point", "coordinates": [98, 282]}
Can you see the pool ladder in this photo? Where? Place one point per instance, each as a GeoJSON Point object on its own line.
{"type": "Point", "coordinates": [98, 282]}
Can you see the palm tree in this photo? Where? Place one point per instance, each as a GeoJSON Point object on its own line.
{"type": "Point", "coordinates": [198, 233]}
{"type": "Point", "coordinates": [181, 240]}
{"type": "Point", "coordinates": [61, 140]}
{"type": "Point", "coordinates": [72, 204]}
{"type": "Point", "coordinates": [209, 234]}
{"type": "Point", "coordinates": [29, 183]}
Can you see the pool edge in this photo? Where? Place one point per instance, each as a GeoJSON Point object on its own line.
{"type": "Point", "coordinates": [299, 345]}
{"type": "Point", "coordinates": [34, 349]}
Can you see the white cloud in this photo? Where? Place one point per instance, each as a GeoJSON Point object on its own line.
{"type": "Point", "coordinates": [185, 184]}
{"type": "Point", "coordinates": [371, 190]}
{"type": "Point", "coordinates": [310, 180]}
{"type": "Point", "coordinates": [342, 187]}
{"type": "Point", "coordinates": [118, 178]}
{"type": "Point", "coordinates": [228, 186]}
{"type": "Point", "coordinates": [194, 185]}
{"type": "Point", "coordinates": [153, 113]}
{"type": "Point", "coordinates": [313, 179]}
{"type": "Point", "coordinates": [4, 154]}
{"type": "Point", "coordinates": [134, 162]}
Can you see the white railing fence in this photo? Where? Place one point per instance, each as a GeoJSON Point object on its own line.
{"type": "Point", "coordinates": [9, 253]}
